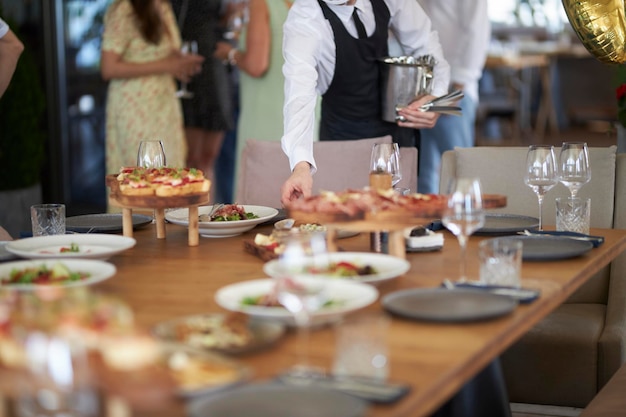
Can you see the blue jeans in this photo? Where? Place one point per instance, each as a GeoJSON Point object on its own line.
{"type": "Point", "coordinates": [449, 132]}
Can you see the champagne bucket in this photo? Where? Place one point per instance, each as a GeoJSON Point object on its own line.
{"type": "Point", "coordinates": [403, 79]}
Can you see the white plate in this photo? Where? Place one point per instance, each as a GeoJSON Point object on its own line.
{"type": "Point", "coordinates": [387, 266]}
{"type": "Point", "coordinates": [222, 229]}
{"type": "Point", "coordinates": [98, 271]}
{"type": "Point", "coordinates": [4, 254]}
{"type": "Point", "coordinates": [91, 246]}
{"type": "Point", "coordinates": [348, 296]}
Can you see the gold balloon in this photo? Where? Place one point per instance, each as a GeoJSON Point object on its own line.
{"type": "Point", "coordinates": [601, 26]}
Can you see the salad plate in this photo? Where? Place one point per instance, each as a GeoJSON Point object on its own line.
{"type": "Point", "coordinates": [347, 296]}
{"type": "Point", "coordinates": [382, 267]}
{"type": "Point", "coordinates": [95, 271]}
{"type": "Point", "coordinates": [218, 229]}
{"type": "Point", "coordinates": [77, 246]}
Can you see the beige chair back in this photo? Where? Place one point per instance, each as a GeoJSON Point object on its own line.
{"type": "Point", "coordinates": [340, 165]}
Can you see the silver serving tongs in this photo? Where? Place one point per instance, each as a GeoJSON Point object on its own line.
{"type": "Point", "coordinates": [444, 104]}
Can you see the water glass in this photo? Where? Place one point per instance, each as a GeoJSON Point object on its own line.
{"type": "Point", "coordinates": [501, 262]}
{"type": "Point", "coordinates": [573, 214]}
{"type": "Point", "coordinates": [47, 219]}
{"type": "Point", "coordinates": [361, 347]}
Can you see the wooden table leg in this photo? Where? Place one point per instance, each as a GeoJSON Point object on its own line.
{"type": "Point", "coordinates": [127, 222]}
{"type": "Point", "coordinates": [193, 226]}
{"type": "Point", "coordinates": [160, 223]}
{"type": "Point", "coordinates": [331, 239]}
{"type": "Point", "coordinates": [397, 244]}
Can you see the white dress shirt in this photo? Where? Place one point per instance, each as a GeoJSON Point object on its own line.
{"type": "Point", "coordinates": [464, 32]}
{"type": "Point", "coordinates": [309, 52]}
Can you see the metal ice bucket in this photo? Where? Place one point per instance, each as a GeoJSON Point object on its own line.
{"type": "Point", "coordinates": [403, 79]}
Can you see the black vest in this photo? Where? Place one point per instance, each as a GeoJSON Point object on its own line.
{"type": "Point", "coordinates": [351, 107]}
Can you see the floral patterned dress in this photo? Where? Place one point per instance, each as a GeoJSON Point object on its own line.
{"type": "Point", "coordinates": [141, 108]}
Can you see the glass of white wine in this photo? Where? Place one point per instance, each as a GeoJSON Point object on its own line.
{"type": "Point", "coordinates": [541, 173]}
{"type": "Point", "coordinates": [464, 213]}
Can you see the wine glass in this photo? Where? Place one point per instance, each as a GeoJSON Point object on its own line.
{"type": "Point", "coordinates": [464, 213]}
{"type": "Point", "coordinates": [151, 154]}
{"type": "Point", "coordinates": [302, 295]}
{"type": "Point", "coordinates": [187, 47]}
{"type": "Point", "coordinates": [385, 164]}
{"type": "Point", "coordinates": [574, 169]}
{"type": "Point", "coordinates": [541, 173]}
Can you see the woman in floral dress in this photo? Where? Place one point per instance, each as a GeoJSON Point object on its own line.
{"type": "Point", "coordinates": [141, 58]}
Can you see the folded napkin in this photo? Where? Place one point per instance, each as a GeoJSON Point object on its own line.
{"type": "Point", "coordinates": [426, 240]}
{"type": "Point", "coordinates": [595, 240]}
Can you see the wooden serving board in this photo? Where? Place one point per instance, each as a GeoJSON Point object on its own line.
{"type": "Point", "coordinates": [153, 201]}
{"type": "Point", "coordinates": [259, 251]}
{"type": "Point", "coordinates": [159, 204]}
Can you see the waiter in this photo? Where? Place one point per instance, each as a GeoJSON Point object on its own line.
{"type": "Point", "coordinates": [331, 48]}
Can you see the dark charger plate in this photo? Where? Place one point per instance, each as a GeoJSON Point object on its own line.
{"type": "Point", "coordinates": [103, 222]}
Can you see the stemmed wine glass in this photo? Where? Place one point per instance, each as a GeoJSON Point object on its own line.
{"type": "Point", "coordinates": [151, 154]}
{"type": "Point", "coordinates": [385, 163]}
{"type": "Point", "coordinates": [302, 295]}
{"type": "Point", "coordinates": [187, 47]}
{"type": "Point", "coordinates": [574, 169]}
{"type": "Point", "coordinates": [541, 173]}
{"type": "Point", "coordinates": [464, 213]}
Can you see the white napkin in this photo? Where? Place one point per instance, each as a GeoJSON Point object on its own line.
{"type": "Point", "coordinates": [429, 240]}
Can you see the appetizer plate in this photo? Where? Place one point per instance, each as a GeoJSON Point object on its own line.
{"type": "Point", "coordinates": [98, 271]}
{"type": "Point", "coordinates": [444, 305]}
{"type": "Point", "coordinates": [222, 229]}
{"type": "Point", "coordinates": [208, 331]}
{"type": "Point", "coordinates": [279, 400]}
{"type": "Point", "coordinates": [103, 222]}
{"type": "Point", "coordinates": [386, 266]}
{"type": "Point", "coordinates": [347, 296]}
{"type": "Point", "coordinates": [89, 246]}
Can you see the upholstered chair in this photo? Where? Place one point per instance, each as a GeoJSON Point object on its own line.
{"type": "Point", "coordinates": [566, 358]}
{"type": "Point", "coordinates": [340, 165]}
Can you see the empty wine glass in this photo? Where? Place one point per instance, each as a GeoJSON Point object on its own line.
{"type": "Point", "coordinates": [151, 154]}
{"type": "Point", "coordinates": [187, 47]}
{"type": "Point", "coordinates": [574, 171]}
{"type": "Point", "coordinates": [302, 295]}
{"type": "Point", "coordinates": [464, 213]}
{"type": "Point", "coordinates": [541, 173]}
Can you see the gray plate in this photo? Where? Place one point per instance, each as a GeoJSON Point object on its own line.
{"type": "Point", "coordinates": [264, 333]}
{"type": "Point", "coordinates": [103, 223]}
{"type": "Point", "coordinates": [501, 223]}
{"type": "Point", "coordinates": [277, 400]}
{"type": "Point", "coordinates": [550, 248]}
{"type": "Point", "coordinates": [444, 305]}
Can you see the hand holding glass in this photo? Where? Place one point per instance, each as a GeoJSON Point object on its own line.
{"type": "Point", "coordinates": [574, 169]}
{"type": "Point", "coordinates": [187, 47]}
{"type": "Point", "coordinates": [541, 173]}
{"type": "Point", "coordinates": [464, 213]}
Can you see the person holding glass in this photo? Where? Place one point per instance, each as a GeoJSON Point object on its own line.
{"type": "Point", "coordinates": [331, 48]}
{"type": "Point", "coordinates": [209, 109]}
{"type": "Point", "coordinates": [141, 58]}
{"type": "Point", "coordinates": [464, 31]}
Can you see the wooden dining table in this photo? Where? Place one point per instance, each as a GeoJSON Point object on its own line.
{"type": "Point", "coordinates": [162, 279]}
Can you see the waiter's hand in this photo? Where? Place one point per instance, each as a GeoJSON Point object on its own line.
{"type": "Point", "coordinates": [299, 184]}
{"type": "Point", "coordinates": [416, 118]}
